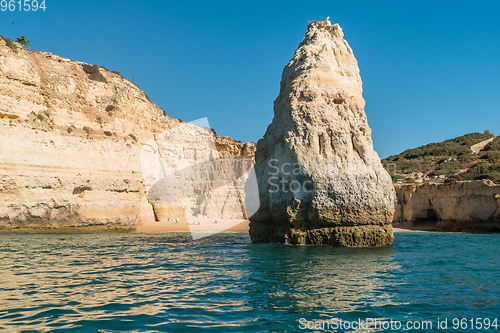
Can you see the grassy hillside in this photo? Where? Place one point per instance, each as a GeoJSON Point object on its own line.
{"type": "Point", "coordinates": [446, 161]}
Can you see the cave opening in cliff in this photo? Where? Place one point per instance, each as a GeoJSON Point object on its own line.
{"type": "Point", "coordinates": [429, 221]}
{"type": "Point", "coordinates": [431, 214]}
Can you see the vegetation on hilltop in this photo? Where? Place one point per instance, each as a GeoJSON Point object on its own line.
{"type": "Point", "coordinates": [94, 73]}
{"type": "Point", "coordinates": [450, 160]}
{"type": "Point", "coordinates": [22, 40]}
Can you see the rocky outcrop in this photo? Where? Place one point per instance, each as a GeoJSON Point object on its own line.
{"type": "Point", "coordinates": [71, 136]}
{"type": "Point", "coordinates": [185, 171]}
{"type": "Point", "coordinates": [480, 146]}
{"type": "Point", "coordinates": [469, 206]}
{"type": "Point", "coordinates": [320, 181]}
{"type": "Point", "coordinates": [228, 146]}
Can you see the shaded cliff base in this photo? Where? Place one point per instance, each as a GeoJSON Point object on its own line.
{"type": "Point", "coordinates": [448, 226]}
{"type": "Point", "coordinates": [469, 206]}
{"type": "Point", "coordinates": [345, 236]}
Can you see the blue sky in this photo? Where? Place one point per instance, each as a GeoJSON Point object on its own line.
{"type": "Point", "coordinates": [430, 69]}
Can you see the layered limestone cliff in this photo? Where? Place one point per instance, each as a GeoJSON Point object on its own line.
{"type": "Point", "coordinates": [70, 145]}
{"type": "Point", "coordinates": [184, 170]}
{"type": "Point", "coordinates": [469, 206]}
{"type": "Point", "coordinates": [320, 181]}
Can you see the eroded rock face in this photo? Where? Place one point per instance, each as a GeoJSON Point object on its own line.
{"type": "Point", "coordinates": [228, 146]}
{"type": "Point", "coordinates": [183, 169]}
{"type": "Point", "coordinates": [320, 181]}
{"type": "Point", "coordinates": [69, 145]}
{"type": "Point", "coordinates": [470, 206]}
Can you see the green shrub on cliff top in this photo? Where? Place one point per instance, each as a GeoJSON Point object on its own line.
{"type": "Point", "coordinates": [22, 40]}
{"type": "Point", "coordinates": [478, 172]}
{"type": "Point", "coordinates": [452, 147]}
{"type": "Point", "coordinates": [94, 73]}
{"type": "Point", "coordinates": [89, 69]}
{"type": "Point", "coordinates": [451, 158]}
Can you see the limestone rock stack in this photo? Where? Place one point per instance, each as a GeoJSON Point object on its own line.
{"type": "Point", "coordinates": [320, 181]}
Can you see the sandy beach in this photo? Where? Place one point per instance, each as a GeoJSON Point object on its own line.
{"type": "Point", "coordinates": [422, 226]}
{"type": "Point", "coordinates": [205, 226]}
{"type": "Point", "coordinates": [241, 227]}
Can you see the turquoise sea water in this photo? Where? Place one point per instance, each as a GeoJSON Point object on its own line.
{"type": "Point", "coordinates": [168, 283]}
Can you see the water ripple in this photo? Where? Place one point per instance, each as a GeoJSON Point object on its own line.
{"type": "Point", "coordinates": [170, 283]}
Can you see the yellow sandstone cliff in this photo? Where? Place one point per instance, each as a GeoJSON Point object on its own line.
{"type": "Point", "coordinates": [70, 142]}
{"type": "Point", "coordinates": [470, 206]}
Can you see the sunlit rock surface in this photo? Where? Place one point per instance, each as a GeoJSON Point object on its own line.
{"type": "Point", "coordinates": [70, 147]}
{"type": "Point", "coordinates": [186, 177]}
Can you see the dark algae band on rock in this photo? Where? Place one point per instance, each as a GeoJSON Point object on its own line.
{"type": "Point", "coordinates": [320, 181]}
{"type": "Point", "coordinates": [362, 236]}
